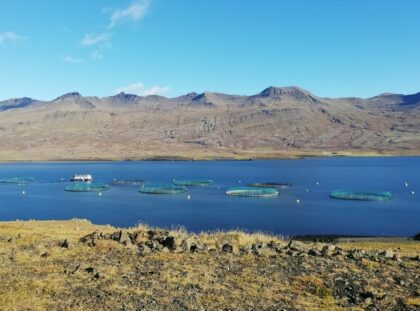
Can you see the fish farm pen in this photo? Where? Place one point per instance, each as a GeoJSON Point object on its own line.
{"type": "Point", "coordinates": [192, 182]}
{"type": "Point", "coordinates": [252, 192]}
{"type": "Point", "coordinates": [16, 180]}
{"type": "Point", "coordinates": [271, 185]}
{"type": "Point", "coordinates": [361, 195]}
{"type": "Point", "coordinates": [162, 189]}
{"type": "Point", "coordinates": [86, 187]}
{"type": "Point", "coordinates": [127, 183]}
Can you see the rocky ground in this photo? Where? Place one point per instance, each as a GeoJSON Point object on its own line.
{"type": "Point", "coordinates": [75, 265]}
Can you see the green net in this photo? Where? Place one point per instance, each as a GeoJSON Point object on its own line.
{"type": "Point", "coordinates": [271, 185]}
{"type": "Point", "coordinates": [127, 183]}
{"type": "Point", "coordinates": [16, 180]}
{"type": "Point", "coordinates": [252, 192]}
{"type": "Point", "coordinates": [162, 189]}
{"type": "Point", "coordinates": [361, 195]}
{"type": "Point", "coordinates": [192, 182]}
{"type": "Point", "coordinates": [86, 187]}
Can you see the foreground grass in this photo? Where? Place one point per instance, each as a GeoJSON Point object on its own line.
{"type": "Point", "coordinates": [37, 273]}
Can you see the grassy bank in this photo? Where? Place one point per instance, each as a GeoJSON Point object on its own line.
{"type": "Point", "coordinates": [75, 265]}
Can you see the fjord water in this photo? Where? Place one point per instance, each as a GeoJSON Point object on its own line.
{"type": "Point", "coordinates": [210, 209]}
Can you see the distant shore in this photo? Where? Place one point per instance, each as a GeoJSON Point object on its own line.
{"type": "Point", "coordinates": [213, 157]}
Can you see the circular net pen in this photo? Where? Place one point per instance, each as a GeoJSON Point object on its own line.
{"type": "Point", "coordinates": [162, 189]}
{"type": "Point", "coordinates": [271, 185]}
{"type": "Point", "coordinates": [127, 183]}
{"type": "Point", "coordinates": [192, 182]}
{"type": "Point", "coordinates": [361, 195]}
{"type": "Point", "coordinates": [16, 180]}
{"type": "Point", "coordinates": [86, 187]}
{"type": "Point", "coordinates": [252, 192]}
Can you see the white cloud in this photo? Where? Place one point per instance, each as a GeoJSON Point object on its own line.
{"type": "Point", "coordinates": [93, 38]}
{"type": "Point", "coordinates": [72, 60]}
{"type": "Point", "coordinates": [9, 36]}
{"type": "Point", "coordinates": [96, 55]}
{"type": "Point", "coordinates": [140, 89]}
{"type": "Point", "coordinates": [134, 12]}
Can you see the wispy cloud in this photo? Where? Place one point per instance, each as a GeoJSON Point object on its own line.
{"type": "Point", "coordinates": [94, 39]}
{"type": "Point", "coordinates": [9, 36]}
{"type": "Point", "coordinates": [71, 60]}
{"type": "Point", "coordinates": [96, 55]}
{"type": "Point", "coordinates": [140, 89]}
{"type": "Point", "coordinates": [134, 12]}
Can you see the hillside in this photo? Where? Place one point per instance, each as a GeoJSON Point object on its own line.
{"type": "Point", "coordinates": [75, 265]}
{"type": "Point", "coordinates": [277, 122]}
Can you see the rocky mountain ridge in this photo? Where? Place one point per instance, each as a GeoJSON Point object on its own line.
{"type": "Point", "coordinates": [278, 121]}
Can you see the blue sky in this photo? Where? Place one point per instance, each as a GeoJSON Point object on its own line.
{"type": "Point", "coordinates": [99, 47]}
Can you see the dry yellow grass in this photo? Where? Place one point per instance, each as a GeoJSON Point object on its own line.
{"type": "Point", "coordinates": [37, 274]}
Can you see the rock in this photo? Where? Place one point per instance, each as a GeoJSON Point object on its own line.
{"type": "Point", "coordinates": [246, 249]}
{"type": "Point", "coordinates": [292, 253]}
{"type": "Point", "coordinates": [277, 245]}
{"type": "Point", "coordinates": [314, 252]}
{"type": "Point", "coordinates": [328, 250]}
{"type": "Point", "coordinates": [154, 245]}
{"type": "Point", "coordinates": [266, 252]}
{"type": "Point", "coordinates": [90, 238]}
{"type": "Point", "coordinates": [388, 254]}
{"type": "Point", "coordinates": [123, 238]}
{"type": "Point", "coordinates": [66, 244]}
{"type": "Point", "coordinates": [94, 272]}
{"type": "Point", "coordinates": [144, 249]}
{"type": "Point", "coordinates": [356, 254]}
{"type": "Point", "coordinates": [90, 270]}
{"type": "Point", "coordinates": [185, 245]}
{"type": "Point", "coordinates": [198, 248]}
{"type": "Point", "coordinates": [338, 251]}
{"type": "Point", "coordinates": [298, 246]}
{"type": "Point", "coordinates": [373, 255]}
{"type": "Point", "coordinates": [229, 248]}
{"type": "Point", "coordinates": [170, 242]}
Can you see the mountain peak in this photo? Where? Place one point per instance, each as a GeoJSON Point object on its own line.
{"type": "Point", "coordinates": [16, 103]}
{"type": "Point", "coordinates": [68, 95]}
{"type": "Point", "coordinates": [292, 91]}
{"type": "Point", "coordinates": [125, 97]}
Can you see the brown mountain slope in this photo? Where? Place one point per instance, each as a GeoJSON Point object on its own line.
{"type": "Point", "coordinates": [276, 122]}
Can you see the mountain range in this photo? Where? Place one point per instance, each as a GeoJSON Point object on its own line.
{"type": "Point", "coordinates": [277, 122]}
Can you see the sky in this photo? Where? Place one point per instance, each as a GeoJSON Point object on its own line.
{"type": "Point", "coordinates": [172, 47]}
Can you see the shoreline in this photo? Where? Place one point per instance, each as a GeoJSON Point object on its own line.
{"type": "Point", "coordinates": [194, 159]}
{"type": "Point", "coordinates": [324, 238]}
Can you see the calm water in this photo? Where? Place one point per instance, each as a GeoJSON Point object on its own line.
{"type": "Point", "coordinates": [209, 208]}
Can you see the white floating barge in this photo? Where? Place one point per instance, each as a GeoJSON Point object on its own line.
{"type": "Point", "coordinates": [82, 178]}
